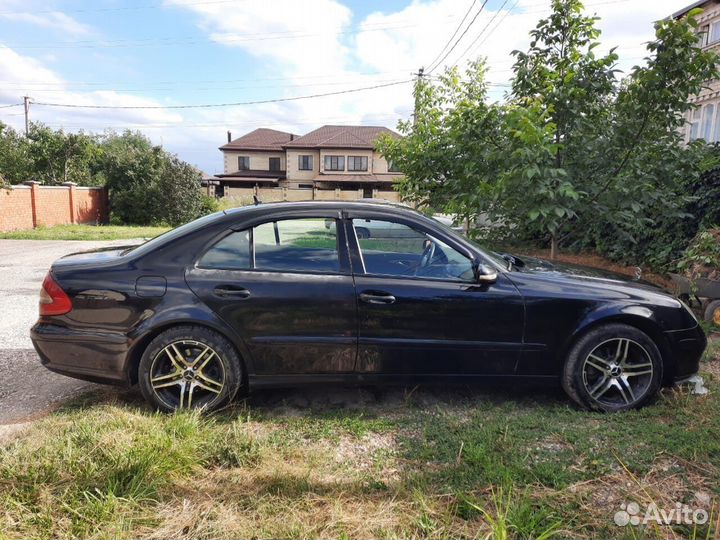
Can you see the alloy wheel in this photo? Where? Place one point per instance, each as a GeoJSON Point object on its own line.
{"type": "Point", "coordinates": [187, 374]}
{"type": "Point", "coordinates": [618, 372]}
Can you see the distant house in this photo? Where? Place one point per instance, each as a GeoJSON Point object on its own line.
{"type": "Point", "coordinates": [328, 158]}
{"type": "Point", "coordinates": [704, 120]}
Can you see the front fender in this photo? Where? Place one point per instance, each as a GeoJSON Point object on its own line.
{"type": "Point", "coordinates": [640, 316]}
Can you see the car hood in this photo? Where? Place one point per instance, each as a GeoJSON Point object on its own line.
{"type": "Point", "coordinates": [534, 265]}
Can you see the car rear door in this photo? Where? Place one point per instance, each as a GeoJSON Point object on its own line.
{"type": "Point", "coordinates": [285, 285]}
{"type": "Point", "coordinates": [422, 316]}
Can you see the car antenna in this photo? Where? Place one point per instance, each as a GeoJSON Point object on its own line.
{"type": "Point", "coordinates": [256, 200]}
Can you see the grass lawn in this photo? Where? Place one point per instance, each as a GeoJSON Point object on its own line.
{"type": "Point", "coordinates": [358, 463]}
{"type": "Point", "coordinates": [85, 232]}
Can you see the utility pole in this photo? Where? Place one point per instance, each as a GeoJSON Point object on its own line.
{"type": "Point", "coordinates": [419, 76]}
{"type": "Point", "coordinates": [26, 103]}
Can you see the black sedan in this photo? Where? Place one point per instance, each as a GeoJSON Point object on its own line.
{"type": "Point", "coordinates": [289, 293]}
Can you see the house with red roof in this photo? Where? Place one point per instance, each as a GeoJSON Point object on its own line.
{"type": "Point", "coordinates": [328, 158]}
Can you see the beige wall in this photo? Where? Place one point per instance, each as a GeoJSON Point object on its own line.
{"type": "Point", "coordinates": [703, 122]}
{"type": "Point", "coordinates": [293, 173]}
{"type": "Point", "coordinates": [244, 196]}
{"type": "Point", "coordinates": [259, 161]}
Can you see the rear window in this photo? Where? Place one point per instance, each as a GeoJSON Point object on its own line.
{"type": "Point", "coordinates": [289, 245]}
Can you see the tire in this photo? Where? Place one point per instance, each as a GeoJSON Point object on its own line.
{"type": "Point", "coordinates": [189, 367]}
{"type": "Point", "coordinates": [624, 372]}
{"type": "Point", "coordinates": [712, 313]}
{"type": "Point", "coordinates": [362, 232]}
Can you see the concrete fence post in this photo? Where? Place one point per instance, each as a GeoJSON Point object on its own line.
{"type": "Point", "coordinates": [33, 200]}
{"type": "Point", "coordinates": [71, 195]}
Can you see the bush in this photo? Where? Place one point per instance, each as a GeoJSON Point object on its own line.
{"type": "Point", "coordinates": [148, 186]}
{"type": "Point", "coordinates": [208, 204]}
{"type": "Point", "coordinates": [702, 257]}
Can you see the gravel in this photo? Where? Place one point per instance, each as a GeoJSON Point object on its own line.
{"type": "Point", "coordinates": [32, 389]}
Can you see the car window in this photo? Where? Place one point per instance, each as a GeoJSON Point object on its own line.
{"type": "Point", "coordinates": [307, 244]}
{"type": "Point", "coordinates": [231, 253]}
{"type": "Point", "coordinates": [393, 249]}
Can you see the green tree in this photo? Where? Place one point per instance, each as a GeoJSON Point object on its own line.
{"type": "Point", "coordinates": [15, 163]}
{"type": "Point", "coordinates": [58, 157]}
{"type": "Point", "coordinates": [575, 149]}
{"type": "Point", "coordinates": [450, 150]}
{"type": "Point", "coordinates": [147, 185]}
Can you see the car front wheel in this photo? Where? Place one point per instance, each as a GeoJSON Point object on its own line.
{"type": "Point", "coordinates": [189, 367]}
{"type": "Point", "coordinates": [614, 367]}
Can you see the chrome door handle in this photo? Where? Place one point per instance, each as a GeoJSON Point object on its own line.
{"type": "Point", "coordinates": [377, 297]}
{"type": "Point", "coordinates": [235, 292]}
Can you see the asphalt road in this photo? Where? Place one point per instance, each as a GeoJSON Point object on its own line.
{"type": "Point", "coordinates": [27, 389]}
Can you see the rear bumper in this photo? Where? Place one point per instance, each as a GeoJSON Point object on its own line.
{"type": "Point", "coordinates": [687, 348]}
{"type": "Point", "coordinates": [92, 356]}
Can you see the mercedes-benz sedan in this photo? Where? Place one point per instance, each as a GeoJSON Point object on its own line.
{"type": "Point", "coordinates": [289, 293]}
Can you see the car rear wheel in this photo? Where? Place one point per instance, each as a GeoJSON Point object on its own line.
{"type": "Point", "coordinates": [189, 367]}
{"type": "Point", "coordinates": [362, 233]}
{"type": "Point", "coordinates": [614, 367]}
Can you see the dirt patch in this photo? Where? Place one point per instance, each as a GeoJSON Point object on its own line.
{"type": "Point", "coordinates": [10, 431]}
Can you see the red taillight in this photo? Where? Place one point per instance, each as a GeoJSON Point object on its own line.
{"type": "Point", "coordinates": [53, 300]}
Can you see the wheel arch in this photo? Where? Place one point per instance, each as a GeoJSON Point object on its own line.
{"type": "Point", "coordinates": [636, 320]}
{"type": "Point", "coordinates": [143, 339]}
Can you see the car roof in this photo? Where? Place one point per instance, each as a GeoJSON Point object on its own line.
{"type": "Point", "coordinates": [366, 204]}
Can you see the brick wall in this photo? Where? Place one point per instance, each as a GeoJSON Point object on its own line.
{"type": "Point", "coordinates": [30, 205]}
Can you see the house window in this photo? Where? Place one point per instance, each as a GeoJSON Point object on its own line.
{"type": "Point", "coordinates": [305, 163]}
{"type": "Point", "coordinates": [714, 36]}
{"type": "Point", "coordinates": [243, 163]}
{"type": "Point", "coordinates": [392, 167]}
{"type": "Point", "coordinates": [305, 186]}
{"type": "Point", "coordinates": [716, 131]}
{"type": "Point", "coordinates": [334, 163]}
{"type": "Point", "coordinates": [274, 163]}
{"type": "Point", "coordinates": [702, 35]}
{"type": "Point", "coordinates": [695, 116]}
{"type": "Point", "coordinates": [707, 121]}
{"type": "Point", "coordinates": [357, 163]}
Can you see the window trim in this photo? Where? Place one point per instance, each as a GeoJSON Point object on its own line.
{"type": "Point", "coordinates": [279, 164]}
{"type": "Point", "coordinates": [343, 253]}
{"type": "Point", "coordinates": [352, 159]}
{"type": "Point", "coordinates": [331, 157]}
{"type": "Point", "coordinates": [391, 167]}
{"type": "Point", "coordinates": [415, 226]}
{"type": "Point", "coordinates": [310, 161]}
{"type": "Point", "coordinates": [248, 163]}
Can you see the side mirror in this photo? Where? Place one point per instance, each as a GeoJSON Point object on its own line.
{"type": "Point", "coordinates": [484, 273]}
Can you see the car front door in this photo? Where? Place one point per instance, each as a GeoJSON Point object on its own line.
{"type": "Point", "coordinates": [420, 308]}
{"type": "Point", "coordinates": [285, 286]}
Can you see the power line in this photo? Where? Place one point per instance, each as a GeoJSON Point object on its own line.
{"type": "Point", "coordinates": [155, 5]}
{"type": "Point", "coordinates": [219, 38]}
{"type": "Point", "coordinates": [304, 121]}
{"type": "Point", "coordinates": [472, 5]}
{"type": "Point", "coordinates": [217, 105]}
{"type": "Point", "coordinates": [485, 28]}
{"type": "Point", "coordinates": [461, 36]}
{"type": "Point", "coordinates": [12, 105]}
{"type": "Point", "coordinates": [195, 88]}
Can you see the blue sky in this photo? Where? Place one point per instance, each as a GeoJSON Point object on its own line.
{"type": "Point", "coordinates": [156, 53]}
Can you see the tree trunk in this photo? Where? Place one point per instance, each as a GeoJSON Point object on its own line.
{"type": "Point", "coordinates": [554, 247]}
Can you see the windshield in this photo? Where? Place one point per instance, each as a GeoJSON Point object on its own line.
{"type": "Point", "coordinates": [143, 248]}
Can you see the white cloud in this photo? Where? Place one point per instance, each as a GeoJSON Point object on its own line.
{"type": "Point", "coordinates": [317, 46]}
{"type": "Point", "coordinates": [55, 20]}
